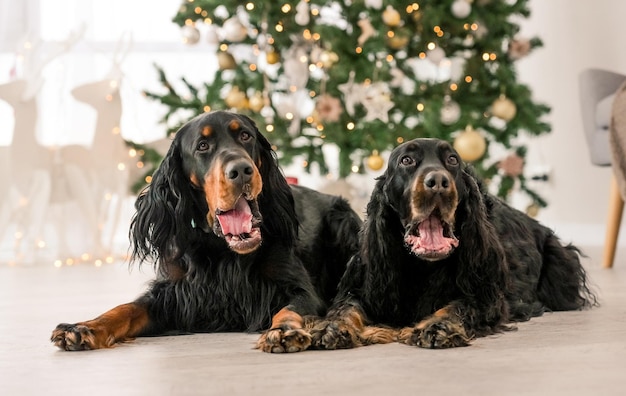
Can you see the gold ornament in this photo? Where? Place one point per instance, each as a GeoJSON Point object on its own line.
{"type": "Point", "coordinates": [256, 102]}
{"type": "Point", "coordinates": [272, 57]}
{"type": "Point", "coordinates": [532, 210]}
{"type": "Point", "coordinates": [328, 58]}
{"type": "Point", "coordinates": [398, 40]}
{"type": "Point", "coordinates": [236, 98]}
{"type": "Point", "coordinates": [226, 61]}
{"type": "Point", "coordinates": [375, 161]}
{"type": "Point", "coordinates": [391, 17]}
{"type": "Point", "coordinates": [504, 108]}
{"type": "Point", "coordinates": [470, 144]}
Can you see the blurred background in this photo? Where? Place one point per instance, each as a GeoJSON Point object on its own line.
{"type": "Point", "coordinates": [82, 105]}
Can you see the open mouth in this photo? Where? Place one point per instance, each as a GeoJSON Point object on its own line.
{"type": "Point", "coordinates": [431, 239]}
{"type": "Point", "coordinates": [240, 226]}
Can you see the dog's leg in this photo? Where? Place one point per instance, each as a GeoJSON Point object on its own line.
{"type": "Point", "coordinates": [345, 327]}
{"type": "Point", "coordinates": [116, 325]}
{"type": "Point", "coordinates": [287, 333]}
{"type": "Point", "coordinates": [443, 329]}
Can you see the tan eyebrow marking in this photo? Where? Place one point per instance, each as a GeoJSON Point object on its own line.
{"type": "Point", "coordinates": [207, 131]}
{"type": "Point", "coordinates": [234, 125]}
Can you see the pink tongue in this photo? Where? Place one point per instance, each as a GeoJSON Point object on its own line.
{"type": "Point", "coordinates": [238, 220]}
{"type": "Point", "coordinates": [431, 233]}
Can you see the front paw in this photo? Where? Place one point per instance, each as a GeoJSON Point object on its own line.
{"type": "Point", "coordinates": [281, 340]}
{"type": "Point", "coordinates": [334, 335]}
{"type": "Point", "coordinates": [73, 337]}
{"type": "Point", "coordinates": [436, 334]}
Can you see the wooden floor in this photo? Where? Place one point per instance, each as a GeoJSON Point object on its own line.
{"type": "Point", "coordinates": [572, 353]}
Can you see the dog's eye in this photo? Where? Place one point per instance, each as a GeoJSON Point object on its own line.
{"type": "Point", "coordinates": [202, 146]}
{"type": "Point", "coordinates": [453, 160]}
{"type": "Point", "coordinates": [245, 136]}
{"type": "Point", "coordinates": [406, 160]}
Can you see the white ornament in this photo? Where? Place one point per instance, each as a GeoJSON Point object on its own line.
{"type": "Point", "coordinates": [377, 102]}
{"type": "Point", "coordinates": [435, 55]}
{"type": "Point", "coordinates": [461, 9]}
{"type": "Point", "coordinates": [450, 111]}
{"type": "Point", "coordinates": [296, 71]}
{"type": "Point", "coordinates": [191, 35]}
{"type": "Point", "coordinates": [352, 93]}
{"type": "Point", "coordinates": [211, 36]}
{"type": "Point", "coordinates": [397, 77]}
{"type": "Point", "coordinates": [233, 30]}
{"type": "Point", "coordinates": [303, 16]}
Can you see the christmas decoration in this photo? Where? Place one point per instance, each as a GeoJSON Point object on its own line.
{"type": "Point", "coordinates": [233, 30]}
{"type": "Point", "coordinates": [375, 162]}
{"type": "Point", "coordinates": [226, 61]}
{"type": "Point", "coordinates": [513, 165]}
{"type": "Point", "coordinates": [461, 8]}
{"type": "Point", "coordinates": [450, 111]}
{"type": "Point", "coordinates": [328, 108]}
{"type": "Point", "coordinates": [470, 144]}
{"type": "Point", "coordinates": [391, 17]}
{"type": "Point", "coordinates": [396, 68]}
{"type": "Point", "coordinates": [272, 57]}
{"type": "Point", "coordinates": [533, 210]}
{"type": "Point", "coordinates": [504, 108]}
{"type": "Point", "coordinates": [191, 35]}
{"type": "Point", "coordinates": [367, 30]}
{"type": "Point", "coordinates": [435, 55]}
{"type": "Point", "coordinates": [519, 48]}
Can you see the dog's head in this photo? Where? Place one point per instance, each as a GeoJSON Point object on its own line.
{"type": "Point", "coordinates": [423, 184]}
{"type": "Point", "coordinates": [220, 156]}
{"type": "Point", "coordinates": [219, 175]}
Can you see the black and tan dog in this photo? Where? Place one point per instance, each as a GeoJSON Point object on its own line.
{"type": "Point", "coordinates": [441, 261]}
{"type": "Point", "coordinates": [235, 247]}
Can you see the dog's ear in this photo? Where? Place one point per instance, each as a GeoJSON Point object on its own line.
{"type": "Point", "coordinates": [276, 200]}
{"type": "Point", "coordinates": [481, 255]}
{"type": "Point", "coordinates": [165, 212]}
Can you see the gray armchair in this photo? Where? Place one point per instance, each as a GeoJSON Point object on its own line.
{"type": "Point", "coordinates": [597, 93]}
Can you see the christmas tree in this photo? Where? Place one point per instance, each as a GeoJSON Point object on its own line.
{"type": "Point", "coordinates": [366, 75]}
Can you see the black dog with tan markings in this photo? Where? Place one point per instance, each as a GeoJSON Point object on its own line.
{"type": "Point", "coordinates": [235, 247]}
{"type": "Point", "coordinates": [442, 261]}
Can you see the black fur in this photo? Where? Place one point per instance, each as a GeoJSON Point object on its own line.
{"type": "Point", "coordinates": [506, 267]}
{"type": "Point", "coordinates": [265, 255]}
{"type": "Point", "coordinates": [299, 262]}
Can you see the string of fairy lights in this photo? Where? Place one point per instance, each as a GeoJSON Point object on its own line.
{"type": "Point", "coordinates": [361, 64]}
{"type": "Point", "coordinates": [363, 76]}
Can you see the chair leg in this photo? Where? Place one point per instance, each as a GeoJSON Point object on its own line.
{"type": "Point", "coordinates": [616, 207]}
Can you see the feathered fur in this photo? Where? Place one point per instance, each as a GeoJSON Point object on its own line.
{"type": "Point", "coordinates": [506, 267]}
{"type": "Point", "coordinates": [207, 281]}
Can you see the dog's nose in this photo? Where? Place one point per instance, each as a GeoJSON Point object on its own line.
{"type": "Point", "coordinates": [437, 181]}
{"type": "Point", "coordinates": [239, 171]}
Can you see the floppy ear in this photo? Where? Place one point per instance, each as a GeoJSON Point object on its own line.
{"type": "Point", "coordinates": [482, 262]}
{"type": "Point", "coordinates": [276, 200]}
{"type": "Point", "coordinates": [162, 226]}
{"type": "Point", "coordinates": [381, 238]}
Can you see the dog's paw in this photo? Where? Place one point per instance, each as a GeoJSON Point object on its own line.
{"type": "Point", "coordinates": [73, 337]}
{"type": "Point", "coordinates": [334, 335]}
{"type": "Point", "coordinates": [281, 340]}
{"type": "Point", "coordinates": [436, 334]}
